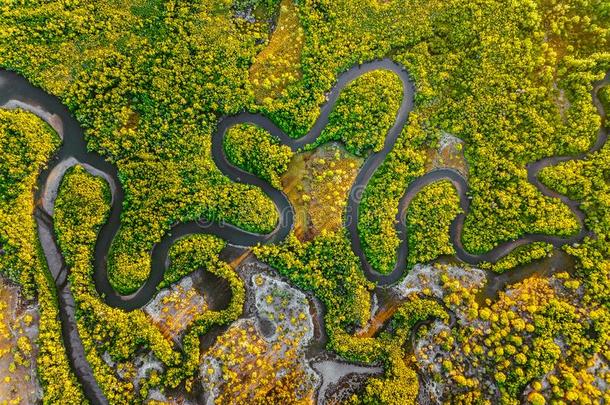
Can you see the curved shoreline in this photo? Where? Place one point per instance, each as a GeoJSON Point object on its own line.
{"type": "Point", "coordinates": [18, 92]}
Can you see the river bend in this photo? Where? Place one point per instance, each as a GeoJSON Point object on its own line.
{"type": "Point", "coordinates": [17, 92]}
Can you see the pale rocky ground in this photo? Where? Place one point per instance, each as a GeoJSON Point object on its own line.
{"type": "Point", "coordinates": [426, 280]}
{"type": "Point", "coordinates": [279, 331]}
{"type": "Point", "coordinates": [273, 342]}
{"type": "Point", "coordinates": [18, 334]}
{"type": "Point", "coordinates": [175, 307]}
{"type": "Point", "coordinates": [449, 154]}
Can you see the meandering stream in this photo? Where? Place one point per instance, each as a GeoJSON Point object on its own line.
{"type": "Point", "coordinates": [17, 92]}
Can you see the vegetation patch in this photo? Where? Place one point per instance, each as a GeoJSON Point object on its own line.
{"type": "Point", "coordinates": [26, 144]}
{"type": "Point", "coordinates": [264, 369]}
{"type": "Point", "coordinates": [185, 255]}
{"type": "Point", "coordinates": [256, 151]}
{"type": "Point", "coordinates": [279, 63]}
{"type": "Point", "coordinates": [520, 256]}
{"type": "Point", "coordinates": [149, 102]}
{"type": "Point", "coordinates": [81, 207]}
{"type": "Point", "coordinates": [23, 260]}
{"type": "Point", "coordinates": [428, 219]}
{"type": "Point", "coordinates": [365, 111]}
{"type": "Point", "coordinates": [532, 342]}
{"type": "Point", "coordinates": [379, 206]}
{"type": "Point", "coordinates": [331, 272]}
{"type": "Point", "coordinates": [317, 184]}
{"type": "Point", "coordinates": [149, 80]}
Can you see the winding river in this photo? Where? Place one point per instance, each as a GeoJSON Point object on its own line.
{"type": "Point", "coordinates": [17, 92]}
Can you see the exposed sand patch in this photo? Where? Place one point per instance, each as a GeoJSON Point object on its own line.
{"type": "Point", "coordinates": [53, 120]}
{"type": "Point", "coordinates": [449, 154]}
{"type": "Point", "coordinates": [18, 350]}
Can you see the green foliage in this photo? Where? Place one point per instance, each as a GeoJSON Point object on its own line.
{"type": "Point", "coordinates": [255, 150]}
{"type": "Point", "coordinates": [54, 371]}
{"type": "Point", "coordinates": [428, 219]}
{"type": "Point", "coordinates": [364, 113]}
{"type": "Point", "coordinates": [187, 255]}
{"type": "Point", "coordinates": [417, 310]}
{"type": "Point", "coordinates": [400, 383]}
{"type": "Point", "coordinates": [587, 181]}
{"type": "Point", "coordinates": [379, 205]}
{"type": "Point", "coordinates": [81, 207]}
{"type": "Point", "coordinates": [522, 255]}
{"type": "Point", "coordinates": [518, 80]}
{"type": "Point", "coordinates": [148, 81]}
{"type": "Point", "coordinates": [327, 267]}
{"type": "Point", "coordinates": [26, 144]}
{"type": "Point", "coordinates": [330, 48]}
{"type": "Point", "coordinates": [509, 116]}
{"type": "Point", "coordinates": [320, 267]}
{"type": "Point", "coordinates": [541, 336]}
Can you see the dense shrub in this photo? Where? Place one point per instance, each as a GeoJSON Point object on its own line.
{"type": "Point", "coordinates": [256, 151]}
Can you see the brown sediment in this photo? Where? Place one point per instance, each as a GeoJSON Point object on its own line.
{"type": "Point", "coordinates": [381, 317]}
{"type": "Point", "coordinates": [317, 184]}
{"type": "Point", "coordinates": [449, 154]}
{"type": "Point", "coordinates": [278, 64]}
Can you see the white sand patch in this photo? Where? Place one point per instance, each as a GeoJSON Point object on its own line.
{"type": "Point", "coordinates": [331, 372]}
{"type": "Point", "coordinates": [428, 277]}
{"type": "Point", "coordinates": [53, 120]}
{"type": "Point", "coordinates": [18, 349]}
{"type": "Point", "coordinates": [51, 187]}
{"type": "Point", "coordinates": [287, 311]}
